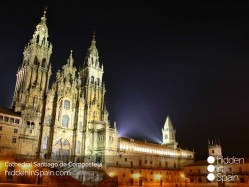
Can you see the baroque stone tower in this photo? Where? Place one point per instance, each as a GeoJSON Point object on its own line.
{"type": "Point", "coordinates": [99, 135]}
{"type": "Point", "coordinates": [31, 86]}
{"type": "Point", "coordinates": [169, 134]}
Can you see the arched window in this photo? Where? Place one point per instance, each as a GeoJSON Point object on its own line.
{"type": "Point", "coordinates": [32, 125]}
{"type": "Point", "coordinates": [28, 124]}
{"type": "Point", "coordinates": [45, 143]}
{"type": "Point", "coordinates": [65, 120]}
{"type": "Point", "coordinates": [37, 39]}
{"type": "Point", "coordinates": [80, 126]}
{"type": "Point", "coordinates": [67, 104]}
{"type": "Point", "coordinates": [44, 62]}
{"type": "Point", "coordinates": [92, 80]}
{"type": "Point", "coordinates": [48, 119]}
{"type": "Point", "coordinates": [43, 41]}
{"type": "Point", "coordinates": [36, 61]}
{"type": "Point", "coordinates": [97, 82]}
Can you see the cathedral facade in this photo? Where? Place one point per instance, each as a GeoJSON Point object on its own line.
{"type": "Point", "coordinates": [68, 119]}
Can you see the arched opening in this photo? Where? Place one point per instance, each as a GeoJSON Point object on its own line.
{"type": "Point", "coordinates": [37, 39]}
{"type": "Point", "coordinates": [67, 104]}
{"type": "Point", "coordinates": [36, 61]}
{"type": "Point", "coordinates": [92, 80]}
{"type": "Point", "coordinates": [80, 126]}
{"type": "Point", "coordinates": [44, 62]}
{"type": "Point", "coordinates": [61, 149]}
{"type": "Point", "coordinates": [45, 143]}
{"type": "Point", "coordinates": [48, 120]}
{"type": "Point", "coordinates": [65, 120]}
{"type": "Point", "coordinates": [32, 125]}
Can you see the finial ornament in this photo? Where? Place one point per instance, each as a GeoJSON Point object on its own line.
{"type": "Point", "coordinates": [93, 40]}
{"type": "Point", "coordinates": [44, 13]}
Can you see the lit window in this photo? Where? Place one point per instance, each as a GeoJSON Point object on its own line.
{"type": "Point", "coordinates": [80, 126]}
{"type": "Point", "coordinates": [65, 121]}
{"type": "Point", "coordinates": [48, 119]}
{"type": "Point", "coordinates": [67, 104]}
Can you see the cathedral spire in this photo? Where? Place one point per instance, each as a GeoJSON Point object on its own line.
{"type": "Point", "coordinates": [92, 56]}
{"type": "Point", "coordinates": [34, 74]}
{"type": "Point", "coordinates": [41, 33]}
{"type": "Point", "coordinates": [168, 123]}
{"type": "Point", "coordinates": [70, 59]}
{"type": "Point", "coordinates": [93, 40]}
{"type": "Point", "coordinates": [43, 18]}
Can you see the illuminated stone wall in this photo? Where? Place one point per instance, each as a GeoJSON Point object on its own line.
{"type": "Point", "coordinates": [10, 130]}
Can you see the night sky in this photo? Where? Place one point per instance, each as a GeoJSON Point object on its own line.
{"type": "Point", "coordinates": [187, 60]}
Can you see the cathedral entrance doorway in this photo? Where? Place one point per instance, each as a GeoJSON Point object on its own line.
{"type": "Point", "coordinates": [62, 150]}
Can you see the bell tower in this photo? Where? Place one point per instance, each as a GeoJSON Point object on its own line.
{"type": "Point", "coordinates": [93, 86]}
{"type": "Point", "coordinates": [95, 113]}
{"type": "Point", "coordinates": [214, 148]}
{"type": "Point", "coordinates": [34, 73]}
{"type": "Point", "coordinates": [169, 134]}
{"type": "Point", "coordinates": [31, 87]}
